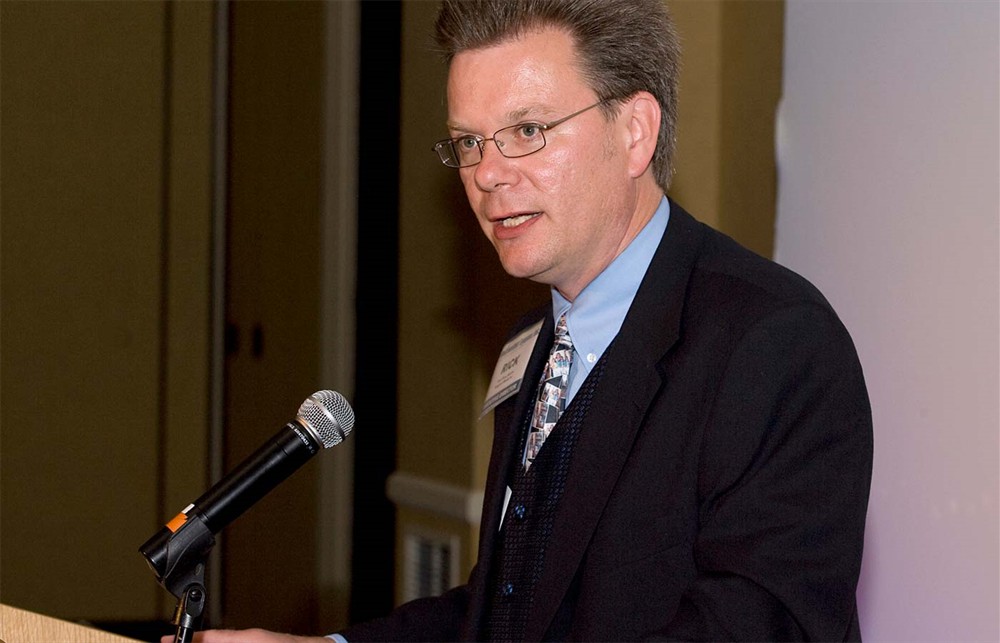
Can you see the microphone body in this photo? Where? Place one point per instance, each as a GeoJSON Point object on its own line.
{"type": "Point", "coordinates": [264, 470]}
{"type": "Point", "coordinates": [324, 420]}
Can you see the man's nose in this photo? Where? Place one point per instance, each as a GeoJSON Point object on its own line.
{"type": "Point", "coordinates": [494, 170]}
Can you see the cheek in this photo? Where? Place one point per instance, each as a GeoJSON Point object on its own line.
{"type": "Point", "coordinates": [591, 163]}
{"type": "Point", "coordinates": [558, 175]}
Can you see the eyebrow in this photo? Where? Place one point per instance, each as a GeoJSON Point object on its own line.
{"type": "Point", "coordinates": [512, 117]}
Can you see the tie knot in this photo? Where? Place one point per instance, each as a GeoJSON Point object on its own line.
{"type": "Point", "coordinates": [562, 332]}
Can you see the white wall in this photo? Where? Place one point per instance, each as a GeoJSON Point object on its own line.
{"type": "Point", "coordinates": [888, 201]}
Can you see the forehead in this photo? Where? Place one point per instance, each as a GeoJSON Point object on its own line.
{"type": "Point", "coordinates": [534, 75]}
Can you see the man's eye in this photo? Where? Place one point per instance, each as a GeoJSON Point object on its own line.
{"type": "Point", "coordinates": [529, 130]}
{"type": "Point", "coordinates": [467, 143]}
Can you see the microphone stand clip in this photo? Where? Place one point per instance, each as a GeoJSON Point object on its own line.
{"type": "Point", "coordinates": [177, 559]}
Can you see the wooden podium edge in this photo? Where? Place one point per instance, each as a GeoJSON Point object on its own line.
{"type": "Point", "coordinates": [21, 626]}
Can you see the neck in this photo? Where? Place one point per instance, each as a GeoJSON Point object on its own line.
{"type": "Point", "coordinates": [646, 202]}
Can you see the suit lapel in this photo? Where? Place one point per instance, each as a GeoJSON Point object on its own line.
{"type": "Point", "coordinates": [630, 383]}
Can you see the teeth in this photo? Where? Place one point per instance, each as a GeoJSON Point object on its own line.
{"type": "Point", "coordinates": [518, 220]}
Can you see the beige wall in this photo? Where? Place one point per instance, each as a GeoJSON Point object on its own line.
{"type": "Point", "coordinates": [456, 304]}
{"type": "Point", "coordinates": [108, 184]}
{"type": "Point", "coordinates": [730, 88]}
{"type": "Point", "coordinates": [107, 203]}
{"type": "Point", "coordinates": [275, 184]}
{"type": "Point", "coordinates": [105, 244]}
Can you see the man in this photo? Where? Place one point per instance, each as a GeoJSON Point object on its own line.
{"type": "Point", "coordinates": [701, 472]}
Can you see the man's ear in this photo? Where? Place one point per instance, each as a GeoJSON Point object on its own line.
{"type": "Point", "coordinates": [643, 122]}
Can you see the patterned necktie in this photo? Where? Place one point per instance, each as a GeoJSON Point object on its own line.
{"type": "Point", "coordinates": [551, 392]}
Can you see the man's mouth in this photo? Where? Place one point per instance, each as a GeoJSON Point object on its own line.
{"type": "Point", "coordinates": [514, 221]}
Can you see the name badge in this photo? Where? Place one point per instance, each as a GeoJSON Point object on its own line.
{"type": "Point", "coordinates": [509, 371]}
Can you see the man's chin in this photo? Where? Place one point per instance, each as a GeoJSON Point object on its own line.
{"type": "Point", "coordinates": [531, 273]}
{"type": "Point", "coordinates": [517, 267]}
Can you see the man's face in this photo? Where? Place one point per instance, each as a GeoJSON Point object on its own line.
{"type": "Point", "coordinates": [560, 215]}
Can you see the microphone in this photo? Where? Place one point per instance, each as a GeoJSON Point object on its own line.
{"type": "Point", "coordinates": [323, 420]}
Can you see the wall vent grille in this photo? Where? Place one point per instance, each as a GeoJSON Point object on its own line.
{"type": "Point", "coordinates": [431, 564]}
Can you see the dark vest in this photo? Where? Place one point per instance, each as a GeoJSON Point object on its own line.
{"type": "Point", "coordinates": [527, 525]}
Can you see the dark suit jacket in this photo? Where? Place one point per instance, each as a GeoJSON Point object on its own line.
{"type": "Point", "coordinates": [719, 486]}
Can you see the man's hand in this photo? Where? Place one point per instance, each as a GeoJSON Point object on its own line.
{"type": "Point", "coordinates": [248, 636]}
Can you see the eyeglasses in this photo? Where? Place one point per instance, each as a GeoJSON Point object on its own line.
{"type": "Point", "coordinates": [513, 141]}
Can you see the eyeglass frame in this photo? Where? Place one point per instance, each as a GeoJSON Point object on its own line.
{"type": "Point", "coordinates": [481, 141]}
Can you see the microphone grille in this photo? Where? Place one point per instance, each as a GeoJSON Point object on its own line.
{"type": "Point", "coordinates": [329, 416]}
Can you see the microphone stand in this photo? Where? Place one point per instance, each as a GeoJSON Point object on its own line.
{"type": "Point", "coordinates": [177, 558]}
{"type": "Point", "coordinates": [190, 609]}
